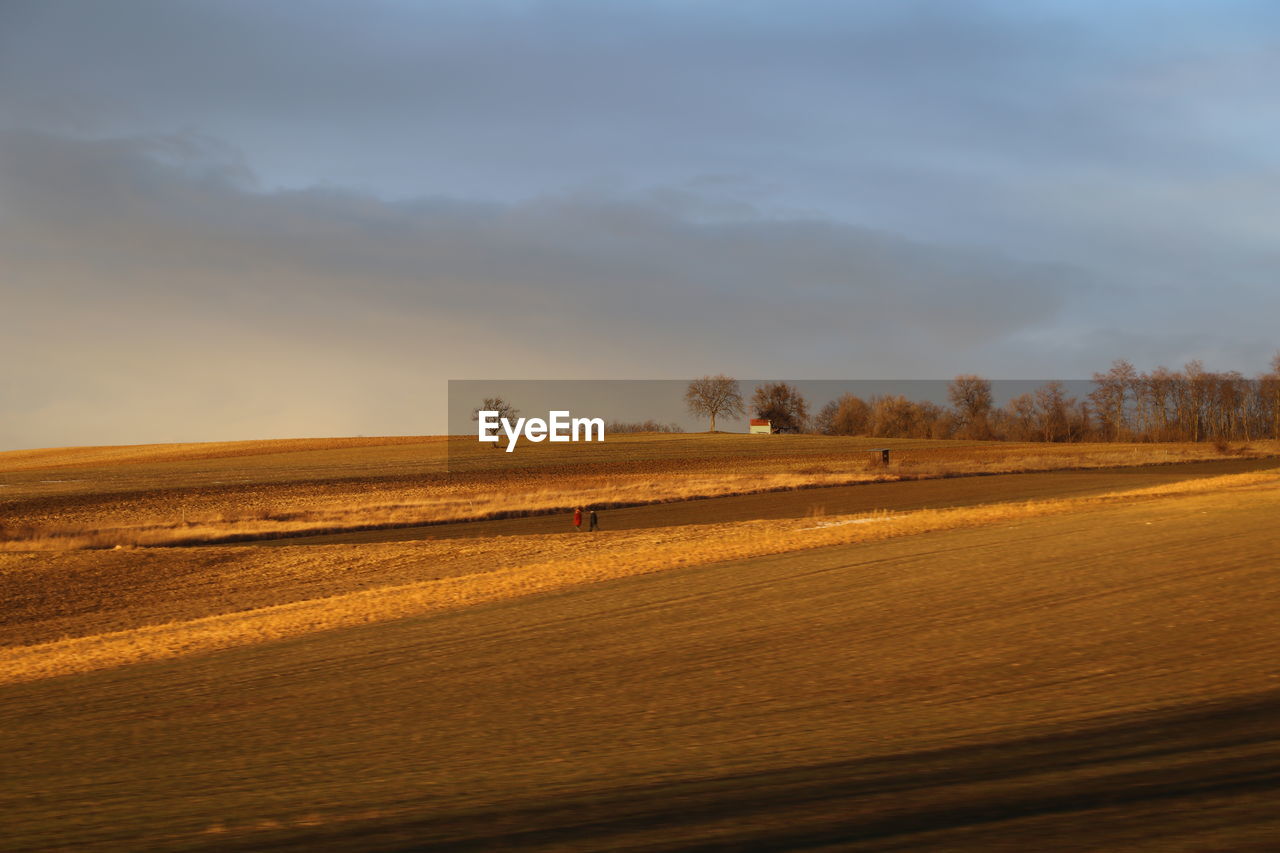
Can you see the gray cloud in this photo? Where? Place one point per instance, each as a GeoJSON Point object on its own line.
{"type": "Point", "coordinates": [140, 262]}
{"type": "Point", "coordinates": [245, 217]}
{"type": "Point", "coordinates": [502, 98]}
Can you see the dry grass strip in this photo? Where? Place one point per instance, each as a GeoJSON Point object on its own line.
{"type": "Point", "coordinates": [602, 557]}
{"type": "Point", "coordinates": [320, 510]}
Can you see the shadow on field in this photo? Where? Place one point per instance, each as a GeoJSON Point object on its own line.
{"type": "Point", "coordinates": [1037, 788]}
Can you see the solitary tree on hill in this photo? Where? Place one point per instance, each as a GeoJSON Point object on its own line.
{"type": "Point", "coordinates": [495, 404]}
{"type": "Point", "coordinates": [712, 396]}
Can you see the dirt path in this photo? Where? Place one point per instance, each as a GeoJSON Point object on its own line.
{"type": "Point", "coordinates": [838, 500]}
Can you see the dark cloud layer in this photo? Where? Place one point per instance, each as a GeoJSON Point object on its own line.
{"type": "Point", "coordinates": [248, 218]}
{"type": "Point", "coordinates": [148, 259]}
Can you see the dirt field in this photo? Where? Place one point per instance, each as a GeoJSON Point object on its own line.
{"type": "Point", "coordinates": [215, 493]}
{"type": "Point", "coordinates": [816, 502]}
{"type": "Point", "coordinates": [1098, 680]}
{"type": "Point", "coordinates": [1073, 660]}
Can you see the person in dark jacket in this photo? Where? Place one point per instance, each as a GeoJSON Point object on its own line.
{"type": "Point", "coordinates": [594, 522]}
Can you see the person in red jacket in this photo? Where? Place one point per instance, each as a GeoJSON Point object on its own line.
{"type": "Point", "coordinates": [577, 519]}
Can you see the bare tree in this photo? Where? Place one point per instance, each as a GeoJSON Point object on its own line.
{"type": "Point", "coordinates": [1184, 393]}
{"type": "Point", "coordinates": [495, 404]}
{"type": "Point", "coordinates": [824, 421]}
{"type": "Point", "coordinates": [1112, 395]}
{"type": "Point", "coordinates": [971, 396]}
{"type": "Point", "coordinates": [782, 404]}
{"type": "Point", "coordinates": [713, 396]}
{"type": "Point", "coordinates": [1230, 402]}
{"type": "Point", "coordinates": [1052, 411]}
{"type": "Point", "coordinates": [1269, 391]}
{"type": "Point", "coordinates": [893, 416]}
{"type": "Point", "coordinates": [932, 421]}
{"type": "Point", "coordinates": [1158, 387]}
{"type": "Point", "coordinates": [1022, 415]}
{"type": "Point", "coordinates": [846, 415]}
{"type": "Point", "coordinates": [1197, 383]}
{"type": "Point", "coordinates": [1079, 421]}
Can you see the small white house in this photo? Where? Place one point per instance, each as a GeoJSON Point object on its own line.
{"type": "Point", "coordinates": [761, 426]}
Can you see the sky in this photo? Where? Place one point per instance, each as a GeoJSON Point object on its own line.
{"type": "Point", "coordinates": [232, 220]}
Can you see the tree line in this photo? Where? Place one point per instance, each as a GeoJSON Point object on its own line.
{"type": "Point", "coordinates": [1191, 404]}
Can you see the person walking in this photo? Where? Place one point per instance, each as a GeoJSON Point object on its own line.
{"type": "Point", "coordinates": [577, 519]}
{"type": "Point", "coordinates": [594, 522]}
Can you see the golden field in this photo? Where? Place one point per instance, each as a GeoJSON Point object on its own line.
{"type": "Point", "coordinates": [112, 611]}
{"type": "Point", "coordinates": [72, 498]}
{"type": "Point", "coordinates": [939, 656]}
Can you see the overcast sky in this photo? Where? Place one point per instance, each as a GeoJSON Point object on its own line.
{"type": "Point", "coordinates": [261, 219]}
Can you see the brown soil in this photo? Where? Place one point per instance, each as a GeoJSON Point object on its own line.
{"type": "Point", "coordinates": [835, 500]}
{"type": "Point", "coordinates": [1094, 681]}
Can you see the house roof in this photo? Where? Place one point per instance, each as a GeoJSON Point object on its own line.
{"type": "Point", "coordinates": [760, 421]}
